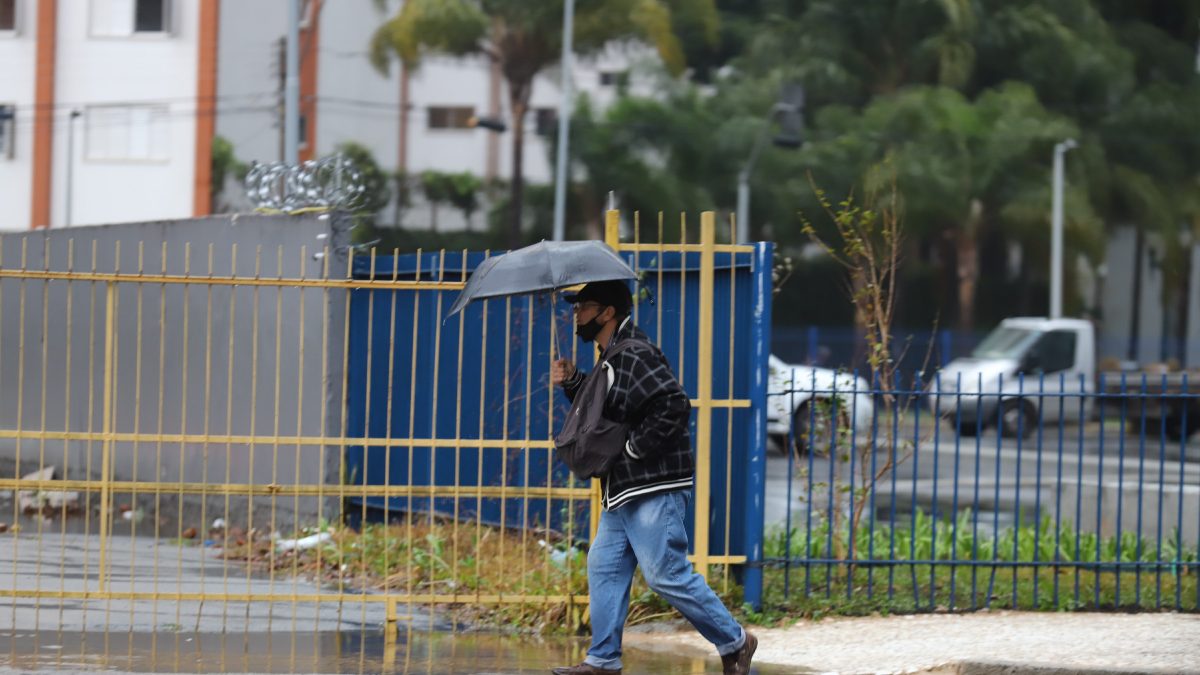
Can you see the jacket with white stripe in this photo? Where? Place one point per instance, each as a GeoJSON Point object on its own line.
{"type": "Point", "coordinates": [644, 393]}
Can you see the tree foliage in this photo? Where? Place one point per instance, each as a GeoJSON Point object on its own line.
{"type": "Point", "coordinates": [523, 38]}
{"type": "Point", "coordinates": [961, 103]}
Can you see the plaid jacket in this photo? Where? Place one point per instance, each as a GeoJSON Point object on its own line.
{"type": "Point", "coordinates": [644, 394]}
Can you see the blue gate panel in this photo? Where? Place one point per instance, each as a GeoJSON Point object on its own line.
{"type": "Point", "coordinates": [406, 380]}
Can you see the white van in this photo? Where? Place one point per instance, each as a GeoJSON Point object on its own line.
{"type": "Point", "coordinates": [1027, 369]}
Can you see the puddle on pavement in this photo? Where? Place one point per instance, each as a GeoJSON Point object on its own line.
{"type": "Point", "coordinates": [344, 652]}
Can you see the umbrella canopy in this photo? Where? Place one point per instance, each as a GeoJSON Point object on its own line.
{"type": "Point", "coordinates": [544, 266]}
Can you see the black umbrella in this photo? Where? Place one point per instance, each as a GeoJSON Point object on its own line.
{"type": "Point", "coordinates": [544, 266]}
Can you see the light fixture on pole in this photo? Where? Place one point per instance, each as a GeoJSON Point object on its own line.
{"type": "Point", "coordinates": [564, 123]}
{"type": "Point", "coordinates": [1056, 229]}
{"type": "Point", "coordinates": [70, 165]}
{"type": "Point", "coordinates": [790, 112]}
{"type": "Point", "coordinates": [490, 123]}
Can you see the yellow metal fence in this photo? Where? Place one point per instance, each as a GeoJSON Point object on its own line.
{"type": "Point", "coordinates": [173, 435]}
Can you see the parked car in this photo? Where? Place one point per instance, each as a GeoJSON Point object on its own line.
{"type": "Point", "coordinates": [802, 401]}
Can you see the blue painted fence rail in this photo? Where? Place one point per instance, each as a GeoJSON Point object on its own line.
{"type": "Point", "coordinates": [1085, 499]}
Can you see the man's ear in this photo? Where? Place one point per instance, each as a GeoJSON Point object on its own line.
{"type": "Point", "coordinates": [608, 314]}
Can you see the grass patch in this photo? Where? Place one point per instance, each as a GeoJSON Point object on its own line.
{"type": "Point", "coordinates": [933, 567]}
{"type": "Point", "coordinates": [947, 566]}
{"type": "Point", "coordinates": [423, 557]}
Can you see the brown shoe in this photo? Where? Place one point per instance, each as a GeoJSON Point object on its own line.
{"type": "Point", "coordinates": [585, 669]}
{"type": "Point", "coordinates": [738, 663]}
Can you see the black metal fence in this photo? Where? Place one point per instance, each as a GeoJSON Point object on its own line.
{"type": "Point", "coordinates": [1028, 492]}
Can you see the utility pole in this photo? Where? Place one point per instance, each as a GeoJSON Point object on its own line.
{"type": "Point", "coordinates": [280, 86]}
{"type": "Point", "coordinates": [564, 123]}
{"type": "Point", "coordinates": [291, 94]}
{"type": "Point", "coordinates": [1056, 230]}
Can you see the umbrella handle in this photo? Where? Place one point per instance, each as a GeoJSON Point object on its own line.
{"type": "Point", "coordinates": [555, 336]}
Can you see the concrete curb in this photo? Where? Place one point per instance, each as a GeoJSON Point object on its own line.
{"type": "Point", "coordinates": [1019, 668]}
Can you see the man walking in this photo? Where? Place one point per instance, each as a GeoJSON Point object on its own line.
{"type": "Point", "coordinates": [645, 493]}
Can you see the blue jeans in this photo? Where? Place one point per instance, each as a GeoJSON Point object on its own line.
{"type": "Point", "coordinates": [649, 531]}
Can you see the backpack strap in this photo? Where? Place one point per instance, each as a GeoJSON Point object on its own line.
{"type": "Point", "coordinates": [618, 348]}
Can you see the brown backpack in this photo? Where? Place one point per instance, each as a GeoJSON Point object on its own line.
{"type": "Point", "coordinates": [590, 443]}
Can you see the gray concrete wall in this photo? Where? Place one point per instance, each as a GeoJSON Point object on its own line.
{"type": "Point", "coordinates": [187, 358]}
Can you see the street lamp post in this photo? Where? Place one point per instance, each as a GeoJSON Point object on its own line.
{"type": "Point", "coordinates": [1056, 230]}
{"type": "Point", "coordinates": [564, 123]}
{"type": "Point", "coordinates": [788, 110]}
{"type": "Point", "coordinates": [743, 189]}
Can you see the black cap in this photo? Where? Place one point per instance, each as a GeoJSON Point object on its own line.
{"type": "Point", "coordinates": [613, 294]}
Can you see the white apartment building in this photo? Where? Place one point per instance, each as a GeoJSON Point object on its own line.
{"type": "Point", "coordinates": [108, 108]}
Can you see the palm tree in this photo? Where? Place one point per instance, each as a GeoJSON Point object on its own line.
{"type": "Point", "coordinates": [523, 37]}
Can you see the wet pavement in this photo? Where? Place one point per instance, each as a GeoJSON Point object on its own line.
{"type": "Point", "coordinates": [341, 652]}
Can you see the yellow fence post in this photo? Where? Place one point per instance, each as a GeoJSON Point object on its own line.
{"type": "Point", "coordinates": [612, 236]}
{"type": "Point", "coordinates": [110, 297]}
{"type": "Point", "coordinates": [708, 241]}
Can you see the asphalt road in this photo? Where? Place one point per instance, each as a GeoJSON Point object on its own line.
{"type": "Point", "coordinates": [1085, 477]}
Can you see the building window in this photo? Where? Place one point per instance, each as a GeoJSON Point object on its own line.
{"type": "Point", "coordinates": [8, 131]}
{"type": "Point", "coordinates": [450, 117]}
{"type": "Point", "coordinates": [150, 16]}
{"type": "Point", "coordinates": [614, 78]}
{"type": "Point", "coordinates": [8, 16]}
{"type": "Point", "coordinates": [137, 133]}
{"type": "Point", "coordinates": [546, 121]}
{"type": "Point", "coordinates": [122, 18]}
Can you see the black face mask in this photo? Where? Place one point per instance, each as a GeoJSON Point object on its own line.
{"type": "Point", "coordinates": [588, 331]}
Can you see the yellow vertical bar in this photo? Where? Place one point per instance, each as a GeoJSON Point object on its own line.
{"type": "Point", "coordinates": [659, 286]}
{"type": "Point", "coordinates": [704, 389]}
{"type": "Point", "coordinates": [110, 475]}
{"type": "Point", "coordinates": [433, 431]}
{"type": "Point", "coordinates": [345, 399]}
{"type": "Point", "coordinates": [324, 430]}
{"type": "Point", "coordinates": [433, 413]}
{"type": "Point", "coordinates": [253, 411]}
{"type": "Point", "coordinates": [730, 411]}
{"type": "Point", "coordinates": [412, 415]}
{"type": "Point", "coordinates": [16, 541]}
{"type": "Point", "coordinates": [525, 475]}
{"type": "Point", "coordinates": [42, 426]}
{"type": "Point", "coordinates": [91, 412]}
{"type": "Point", "coordinates": [62, 562]}
{"type": "Point", "coordinates": [458, 403]}
{"type": "Point", "coordinates": [366, 456]}
{"type": "Point", "coordinates": [208, 347]}
{"type": "Point", "coordinates": [637, 260]}
{"type": "Point", "coordinates": [183, 417]}
{"type": "Point", "coordinates": [387, 453]}
{"type": "Point", "coordinates": [137, 422]}
{"type": "Point", "coordinates": [683, 294]}
{"type": "Point", "coordinates": [158, 448]}
{"type": "Point", "coordinates": [302, 329]}
{"type": "Point", "coordinates": [229, 375]}
{"type": "Point", "coordinates": [504, 421]}
{"type": "Point", "coordinates": [612, 236]}
{"type": "Point", "coordinates": [110, 293]}
{"type": "Point", "coordinates": [274, 523]}
{"type": "Point", "coordinates": [483, 353]}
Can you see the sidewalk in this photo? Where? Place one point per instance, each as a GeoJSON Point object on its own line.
{"type": "Point", "coordinates": [983, 643]}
